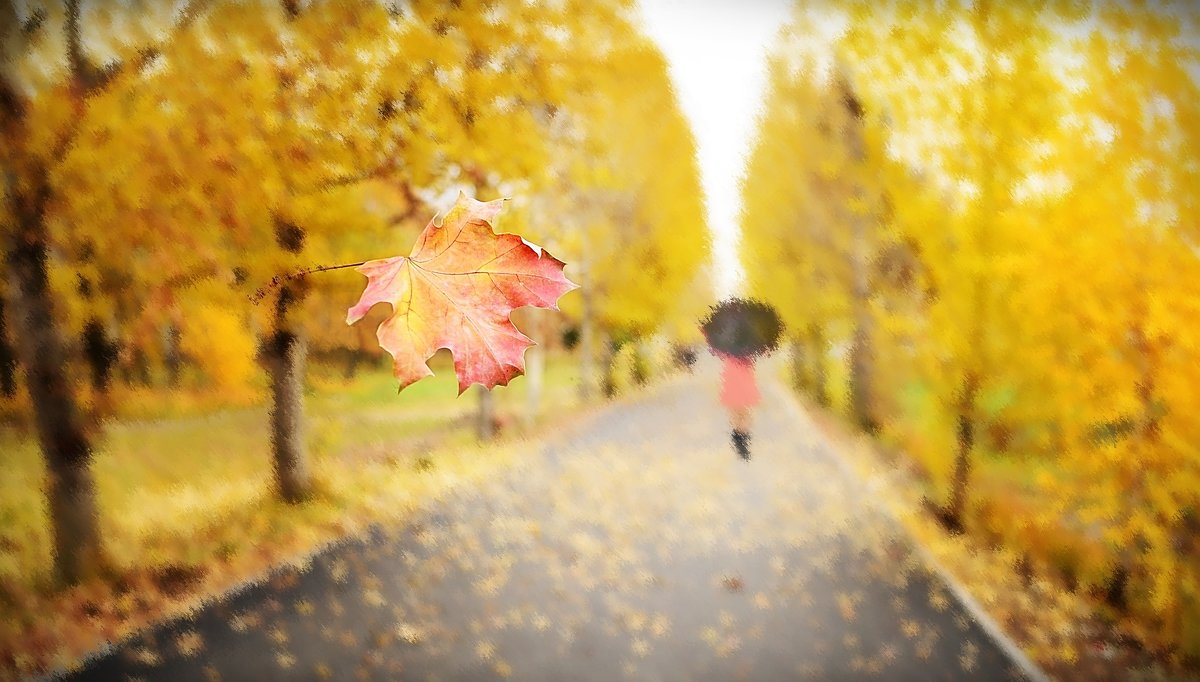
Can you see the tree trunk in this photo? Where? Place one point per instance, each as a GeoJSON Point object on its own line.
{"type": "Point", "coordinates": [608, 382]}
{"type": "Point", "coordinates": [1145, 437]}
{"type": "Point", "coordinates": [141, 367]}
{"type": "Point", "coordinates": [639, 370]}
{"type": "Point", "coordinates": [172, 354]}
{"type": "Point", "coordinates": [1149, 429]}
{"type": "Point", "coordinates": [1187, 539]}
{"type": "Point", "coordinates": [1114, 590]}
{"type": "Point", "coordinates": [820, 386]}
{"type": "Point", "coordinates": [861, 403]}
{"type": "Point", "coordinates": [485, 416]}
{"type": "Point", "coordinates": [535, 367]}
{"type": "Point", "coordinates": [284, 354]}
{"type": "Point", "coordinates": [353, 358]}
{"type": "Point", "coordinates": [861, 349]}
{"type": "Point", "coordinates": [8, 358]}
{"type": "Point", "coordinates": [797, 372]}
{"type": "Point", "coordinates": [587, 345]}
{"type": "Point", "coordinates": [62, 431]}
{"type": "Point", "coordinates": [962, 459]}
{"type": "Point", "coordinates": [101, 353]}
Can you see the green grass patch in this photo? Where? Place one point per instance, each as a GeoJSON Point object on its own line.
{"type": "Point", "coordinates": [187, 499]}
{"type": "Point", "coordinates": [171, 475]}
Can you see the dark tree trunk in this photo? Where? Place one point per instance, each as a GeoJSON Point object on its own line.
{"type": "Point", "coordinates": [797, 371]}
{"type": "Point", "coordinates": [141, 367]}
{"type": "Point", "coordinates": [62, 431]}
{"type": "Point", "coordinates": [172, 356]}
{"type": "Point", "coordinates": [590, 336]}
{"type": "Point", "coordinates": [354, 358]}
{"type": "Point", "coordinates": [861, 402]}
{"type": "Point", "coordinates": [485, 416]}
{"type": "Point", "coordinates": [101, 354]}
{"type": "Point", "coordinates": [1187, 543]}
{"type": "Point", "coordinates": [1148, 431]}
{"type": "Point", "coordinates": [1114, 591]}
{"type": "Point", "coordinates": [861, 346]}
{"type": "Point", "coordinates": [8, 357]}
{"type": "Point", "coordinates": [535, 367]}
{"type": "Point", "coordinates": [608, 380]}
{"type": "Point", "coordinates": [640, 370]}
{"type": "Point", "coordinates": [962, 459]}
{"type": "Point", "coordinates": [284, 354]}
{"type": "Point", "coordinates": [820, 386]}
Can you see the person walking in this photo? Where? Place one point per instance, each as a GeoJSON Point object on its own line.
{"type": "Point", "coordinates": [739, 394]}
{"type": "Point", "coordinates": [738, 331]}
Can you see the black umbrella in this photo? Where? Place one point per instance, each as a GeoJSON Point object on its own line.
{"type": "Point", "coordinates": [743, 328]}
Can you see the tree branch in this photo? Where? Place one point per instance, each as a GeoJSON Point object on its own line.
{"type": "Point", "coordinates": [379, 172]}
{"type": "Point", "coordinates": [199, 274]}
{"type": "Point", "coordinates": [82, 72]}
{"type": "Point", "coordinates": [15, 36]}
{"type": "Point", "coordinates": [91, 80]}
{"type": "Point", "coordinates": [13, 30]}
{"type": "Point", "coordinates": [12, 109]}
{"type": "Point", "coordinates": [86, 80]}
{"type": "Point", "coordinates": [280, 281]}
{"type": "Point", "coordinates": [414, 203]}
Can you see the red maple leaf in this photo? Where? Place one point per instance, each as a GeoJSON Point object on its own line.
{"type": "Point", "coordinates": [456, 290]}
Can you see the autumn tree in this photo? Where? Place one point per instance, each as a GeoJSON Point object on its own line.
{"type": "Point", "coordinates": [789, 252]}
{"type": "Point", "coordinates": [315, 102]}
{"type": "Point", "coordinates": [1035, 210]}
{"type": "Point", "coordinates": [41, 110]}
{"type": "Point", "coordinates": [249, 126]}
{"type": "Point", "coordinates": [813, 215]}
{"type": "Point", "coordinates": [631, 221]}
{"type": "Point", "coordinates": [978, 129]}
{"type": "Point", "coordinates": [1116, 357]}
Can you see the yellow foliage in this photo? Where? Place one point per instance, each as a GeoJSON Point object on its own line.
{"type": "Point", "coordinates": [217, 340]}
{"type": "Point", "coordinates": [1037, 180]}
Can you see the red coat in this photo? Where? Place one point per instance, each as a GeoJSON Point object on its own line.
{"type": "Point", "coordinates": [738, 388]}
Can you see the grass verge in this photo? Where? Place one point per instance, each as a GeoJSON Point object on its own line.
{"type": "Point", "coordinates": [188, 510]}
{"type": "Point", "coordinates": [1057, 627]}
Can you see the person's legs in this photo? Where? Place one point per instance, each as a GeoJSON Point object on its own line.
{"type": "Point", "coordinates": [740, 420]}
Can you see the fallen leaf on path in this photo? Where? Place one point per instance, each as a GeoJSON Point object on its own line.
{"type": "Point", "coordinates": [189, 643]}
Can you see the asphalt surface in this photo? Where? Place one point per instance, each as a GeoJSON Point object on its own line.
{"type": "Point", "coordinates": [637, 546]}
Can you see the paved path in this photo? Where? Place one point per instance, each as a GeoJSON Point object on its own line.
{"type": "Point", "coordinates": [636, 547]}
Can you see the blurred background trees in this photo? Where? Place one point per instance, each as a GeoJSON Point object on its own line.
{"type": "Point", "coordinates": [978, 218]}
{"type": "Point", "coordinates": [167, 167]}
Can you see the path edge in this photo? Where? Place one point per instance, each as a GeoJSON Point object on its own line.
{"type": "Point", "coordinates": [989, 625]}
{"type": "Point", "coordinates": [303, 561]}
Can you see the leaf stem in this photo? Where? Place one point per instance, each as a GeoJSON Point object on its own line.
{"type": "Point", "coordinates": [277, 280]}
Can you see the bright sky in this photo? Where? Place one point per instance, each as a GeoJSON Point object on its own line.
{"type": "Point", "coordinates": [717, 50]}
